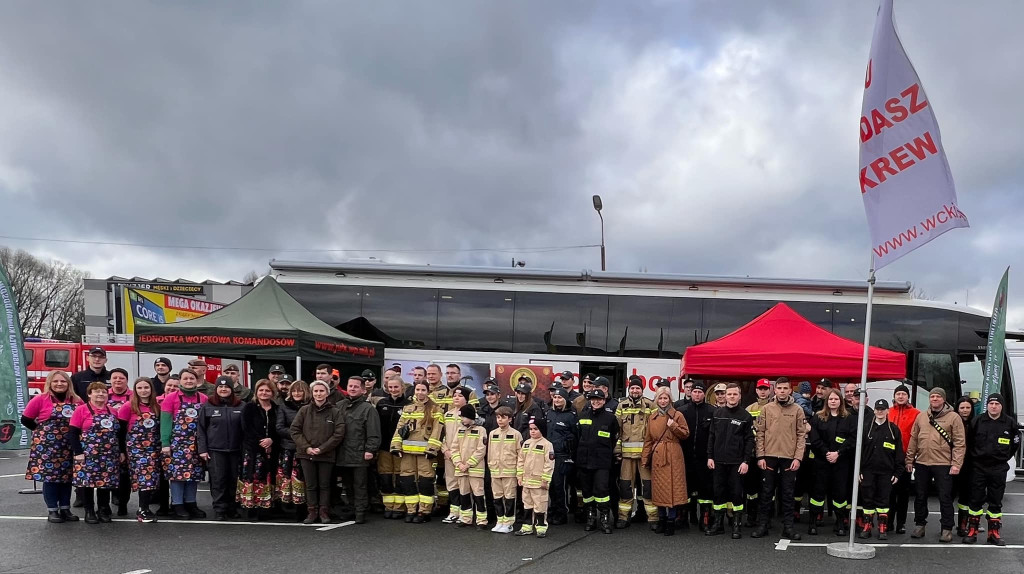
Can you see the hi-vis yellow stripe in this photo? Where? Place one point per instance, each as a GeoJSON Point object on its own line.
{"type": "Point", "coordinates": [889, 445]}
{"type": "Point", "coordinates": [604, 434]}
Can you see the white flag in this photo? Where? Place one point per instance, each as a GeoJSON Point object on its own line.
{"type": "Point", "coordinates": [908, 190]}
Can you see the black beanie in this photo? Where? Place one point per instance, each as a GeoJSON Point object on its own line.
{"type": "Point", "coordinates": [542, 425]}
{"type": "Point", "coordinates": [468, 412]}
{"type": "Point", "coordinates": [901, 388]}
{"type": "Point", "coordinates": [997, 398]}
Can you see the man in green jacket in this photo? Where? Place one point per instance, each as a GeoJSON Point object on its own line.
{"type": "Point", "coordinates": [362, 440]}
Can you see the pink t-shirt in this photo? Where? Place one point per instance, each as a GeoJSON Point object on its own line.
{"type": "Point", "coordinates": [126, 414]}
{"type": "Point", "coordinates": [40, 407]}
{"type": "Point", "coordinates": [173, 401]}
{"type": "Point", "coordinates": [118, 400]}
{"type": "Point", "coordinates": [82, 418]}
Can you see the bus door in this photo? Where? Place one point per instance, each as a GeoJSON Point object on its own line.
{"type": "Point", "coordinates": [615, 372]}
{"type": "Point", "coordinates": [932, 369]}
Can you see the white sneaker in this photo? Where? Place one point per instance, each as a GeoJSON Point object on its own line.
{"type": "Point", "coordinates": [450, 519]}
{"type": "Point", "coordinates": [509, 528]}
{"type": "Point", "coordinates": [499, 527]}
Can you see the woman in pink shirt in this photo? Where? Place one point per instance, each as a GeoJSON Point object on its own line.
{"type": "Point", "coordinates": [118, 395]}
{"type": "Point", "coordinates": [164, 493]}
{"type": "Point", "coordinates": [48, 416]}
{"type": "Point", "coordinates": [98, 457]}
{"type": "Point", "coordinates": [140, 441]}
{"type": "Point", "coordinates": [179, 416]}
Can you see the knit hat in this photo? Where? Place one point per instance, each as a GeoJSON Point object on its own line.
{"type": "Point", "coordinates": [467, 412]}
{"type": "Point", "coordinates": [997, 398]}
{"type": "Point", "coordinates": [938, 391]}
{"type": "Point", "coordinates": [635, 381]}
{"type": "Point", "coordinates": [560, 392]}
{"type": "Point", "coordinates": [542, 425]}
{"type": "Point", "coordinates": [901, 388]}
{"type": "Point", "coordinates": [465, 392]}
{"type": "Point", "coordinates": [163, 360]}
{"type": "Point", "coordinates": [805, 387]}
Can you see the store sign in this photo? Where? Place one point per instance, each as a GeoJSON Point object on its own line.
{"type": "Point", "coordinates": [154, 308]}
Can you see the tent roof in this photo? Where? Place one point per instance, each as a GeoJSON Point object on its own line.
{"type": "Point", "coordinates": [267, 313]}
{"type": "Point", "coordinates": [781, 342]}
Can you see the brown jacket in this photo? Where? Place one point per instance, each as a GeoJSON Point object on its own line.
{"type": "Point", "coordinates": [320, 427]}
{"type": "Point", "coordinates": [927, 446]}
{"type": "Point", "coordinates": [781, 431]}
{"type": "Point", "coordinates": [664, 453]}
{"type": "Point", "coordinates": [503, 452]}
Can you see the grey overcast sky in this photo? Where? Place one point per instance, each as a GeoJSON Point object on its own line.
{"type": "Point", "coordinates": [722, 136]}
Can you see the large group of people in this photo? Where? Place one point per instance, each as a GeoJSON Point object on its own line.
{"type": "Point", "coordinates": [431, 447]}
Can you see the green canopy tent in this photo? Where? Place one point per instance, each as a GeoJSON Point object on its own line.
{"type": "Point", "coordinates": [266, 323]}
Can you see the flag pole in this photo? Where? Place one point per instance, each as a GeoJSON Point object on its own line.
{"type": "Point", "coordinates": [850, 549]}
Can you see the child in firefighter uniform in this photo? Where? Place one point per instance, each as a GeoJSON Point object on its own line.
{"type": "Point", "coordinates": [994, 438]}
{"type": "Point", "coordinates": [468, 452]}
{"type": "Point", "coordinates": [882, 463]}
{"type": "Point", "coordinates": [533, 472]}
{"type": "Point", "coordinates": [503, 445]}
{"type": "Point", "coordinates": [632, 414]}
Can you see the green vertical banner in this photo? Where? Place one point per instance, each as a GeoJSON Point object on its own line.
{"type": "Point", "coordinates": [13, 378]}
{"type": "Point", "coordinates": [996, 344]}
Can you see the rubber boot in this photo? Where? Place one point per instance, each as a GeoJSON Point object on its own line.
{"type": "Point", "coordinates": [606, 521]}
{"type": "Point", "coordinates": [865, 527]}
{"type": "Point", "coordinates": [842, 521]}
{"type": "Point", "coordinates": [994, 525]}
{"type": "Point", "coordinates": [962, 517]}
{"type": "Point", "coordinates": [718, 525]}
{"type": "Point", "coordinates": [705, 517]}
{"type": "Point", "coordinates": [972, 530]}
{"type": "Point", "coordinates": [591, 518]}
{"type": "Point", "coordinates": [737, 522]}
{"type": "Point", "coordinates": [670, 528]}
{"type": "Point", "coordinates": [883, 526]}
{"type": "Point", "coordinates": [752, 513]}
{"type": "Point", "coordinates": [812, 523]}
{"type": "Point", "coordinates": [311, 515]}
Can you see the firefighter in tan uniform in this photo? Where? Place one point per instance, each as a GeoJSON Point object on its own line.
{"type": "Point", "coordinates": [469, 459]}
{"type": "Point", "coordinates": [452, 421]}
{"type": "Point", "coordinates": [503, 445]}
{"type": "Point", "coordinates": [632, 414]}
{"type": "Point", "coordinates": [533, 472]}
{"type": "Point", "coordinates": [417, 442]}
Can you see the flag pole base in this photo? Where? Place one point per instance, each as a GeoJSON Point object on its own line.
{"type": "Point", "coordinates": [851, 551]}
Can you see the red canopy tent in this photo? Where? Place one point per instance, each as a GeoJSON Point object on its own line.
{"type": "Point", "coordinates": [782, 343]}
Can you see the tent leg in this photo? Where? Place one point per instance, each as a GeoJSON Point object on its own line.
{"type": "Point", "coordinates": [298, 367]}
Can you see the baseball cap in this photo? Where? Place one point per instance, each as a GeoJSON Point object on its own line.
{"type": "Point", "coordinates": [720, 387]}
{"type": "Point", "coordinates": [764, 384]}
{"type": "Point", "coordinates": [276, 369]}
{"type": "Point", "coordinates": [223, 381]}
{"type": "Point", "coordinates": [369, 375]}
{"type": "Point", "coordinates": [197, 363]}
{"type": "Point", "coordinates": [566, 376]}
{"type": "Point", "coordinates": [881, 405]}
{"type": "Point", "coordinates": [286, 378]}
{"type": "Point", "coordinates": [698, 387]}
{"type": "Point", "coordinates": [98, 351]}
{"type": "Point", "coordinates": [560, 393]}
{"type": "Point", "coordinates": [397, 367]}
{"type": "Point", "coordinates": [232, 368]}
{"type": "Point", "coordinates": [597, 394]}
{"type": "Point", "coordinates": [602, 382]}
{"type": "Point", "coordinates": [525, 378]}
{"type": "Point", "coordinates": [524, 387]}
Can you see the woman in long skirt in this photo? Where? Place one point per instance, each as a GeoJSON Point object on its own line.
{"type": "Point", "coordinates": [140, 424]}
{"type": "Point", "coordinates": [290, 486]}
{"type": "Point", "coordinates": [259, 450]}
{"type": "Point", "coordinates": [98, 457]}
{"type": "Point", "coordinates": [48, 416]}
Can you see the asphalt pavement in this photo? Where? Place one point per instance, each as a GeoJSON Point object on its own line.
{"type": "Point", "coordinates": [28, 544]}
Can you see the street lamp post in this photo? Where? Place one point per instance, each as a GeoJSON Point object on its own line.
{"type": "Point", "coordinates": [598, 206]}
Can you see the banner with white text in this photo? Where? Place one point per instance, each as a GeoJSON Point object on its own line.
{"type": "Point", "coordinates": [905, 180]}
{"type": "Point", "coordinates": [13, 365]}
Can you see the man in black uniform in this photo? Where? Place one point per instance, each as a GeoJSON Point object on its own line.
{"type": "Point", "coordinates": [730, 452]}
{"type": "Point", "coordinates": [599, 432]}
{"type": "Point", "coordinates": [97, 371]}
{"type": "Point", "coordinates": [563, 434]}
{"type": "Point", "coordinates": [699, 415]}
{"type": "Point", "coordinates": [994, 438]}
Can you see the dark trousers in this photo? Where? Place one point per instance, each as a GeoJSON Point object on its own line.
{"type": "Point", "coordinates": [373, 486]}
{"type": "Point", "coordinates": [559, 491]}
{"type": "Point", "coordinates": [899, 500]}
{"type": "Point", "coordinates": [354, 480]}
{"type": "Point", "coordinates": [988, 483]}
{"type": "Point", "coordinates": [102, 498]}
{"type": "Point", "coordinates": [776, 476]}
{"type": "Point", "coordinates": [874, 492]}
{"type": "Point", "coordinates": [728, 487]}
{"type": "Point", "coordinates": [319, 476]}
{"type": "Point", "coordinates": [594, 484]}
{"type": "Point", "coordinates": [224, 467]}
{"type": "Point", "coordinates": [831, 481]}
{"type": "Point", "coordinates": [124, 488]}
{"type": "Point", "coordinates": [164, 494]}
{"type": "Point", "coordinates": [57, 495]}
{"type": "Point", "coordinates": [923, 476]}
{"type": "Point", "coordinates": [962, 485]}
{"type": "Point", "coordinates": [700, 481]}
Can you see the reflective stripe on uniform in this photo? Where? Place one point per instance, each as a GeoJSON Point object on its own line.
{"type": "Point", "coordinates": [633, 447]}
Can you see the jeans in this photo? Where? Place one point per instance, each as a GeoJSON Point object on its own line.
{"type": "Point", "coordinates": [923, 475]}
{"type": "Point", "coordinates": [57, 495]}
{"type": "Point", "coordinates": [183, 491]}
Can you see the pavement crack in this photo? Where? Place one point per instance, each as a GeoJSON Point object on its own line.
{"type": "Point", "coordinates": [536, 559]}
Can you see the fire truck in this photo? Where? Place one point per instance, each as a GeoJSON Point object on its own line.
{"type": "Point", "coordinates": [45, 355]}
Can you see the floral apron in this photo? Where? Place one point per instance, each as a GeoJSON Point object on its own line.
{"type": "Point", "coordinates": [102, 463]}
{"type": "Point", "coordinates": [291, 485]}
{"type": "Point", "coordinates": [184, 463]}
{"type": "Point", "coordinates": [143, 446]}
{"type": "Point", "coordinates": [49, 457]}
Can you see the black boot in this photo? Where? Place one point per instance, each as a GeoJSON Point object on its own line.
{"type": "Point", "coordinates": [54, 516]}
{"type": "Point", "coordinates": [736, 523]}
{"type": "Point", "coordinates": [717, 526]}
{"type": "Point", "coordinates": [67, 515]}
{"type": "Point", "coordinates": [962, 517]}
{"type": "Point", "coordinates": [193, 510]}
{"type": "Point", "coordinates": [971, 536]}
{"type": "Point", "coordinates": [179, 512]}
{"type": "Point", "coordinates": [606, 521]}
{"type": "Point", "coordinates": [842, 521]}
{"type": "Point", "coordinates": [762, 530]}
{"type": "Point", "coordinates": [591, 518]}
{"type": "Point", "coordinates": [90, 516]}
{"type": "Point", "coordinates": [790, 533]}
{"type": "Point", "coordinates": [659, 528]}
{"type": "Point", "coordinates": [670, 528]}
{"type": "Point", "coordinates": [104, 514]}
{"type": "Point", "coordinates": [752, 514]}
{"type": "Point", "coordinates": [812, 523]}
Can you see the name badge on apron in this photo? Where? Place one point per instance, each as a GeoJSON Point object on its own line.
{"type": "Point", "coordinates": [67, 411]}
{"type": "Point", "coordinates": [191, 412]}
{"type": "Point", "coordinates": [148, 423]}
{"type": "Point", "coordinates": [107, 424]}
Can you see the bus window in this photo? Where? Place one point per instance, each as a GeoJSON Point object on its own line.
{"type": "Point", "coordinates": [57, 358]}
{"type": "Point", "coordinates": [934, 370]}
{"type": "Point", "coordinates": [971, 376]}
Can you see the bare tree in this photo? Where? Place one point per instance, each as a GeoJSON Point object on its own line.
{"type": "Point", "coordinates": [920, 293]}
{"type": "Point", "coordinates": [50, 295]}
{"type": "Point", "coordinates": [250, 277]}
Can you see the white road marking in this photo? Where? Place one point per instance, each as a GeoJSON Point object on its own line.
{"type": "Point", "coordinates": [139, 572]}
{"type": "Point", "coordinates": [21, 474]}
{"type": "Point", "coordinates": [782, 544]}
{"type": "Point", "coordinates": [950, 545]}
{"type": "Point", "coordinates": [333, 526]}
{"type": "Point", "coordinates": [173, 521]}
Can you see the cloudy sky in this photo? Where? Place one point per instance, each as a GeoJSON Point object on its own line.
{"type": "Point", "coordinates": [721, 135]}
